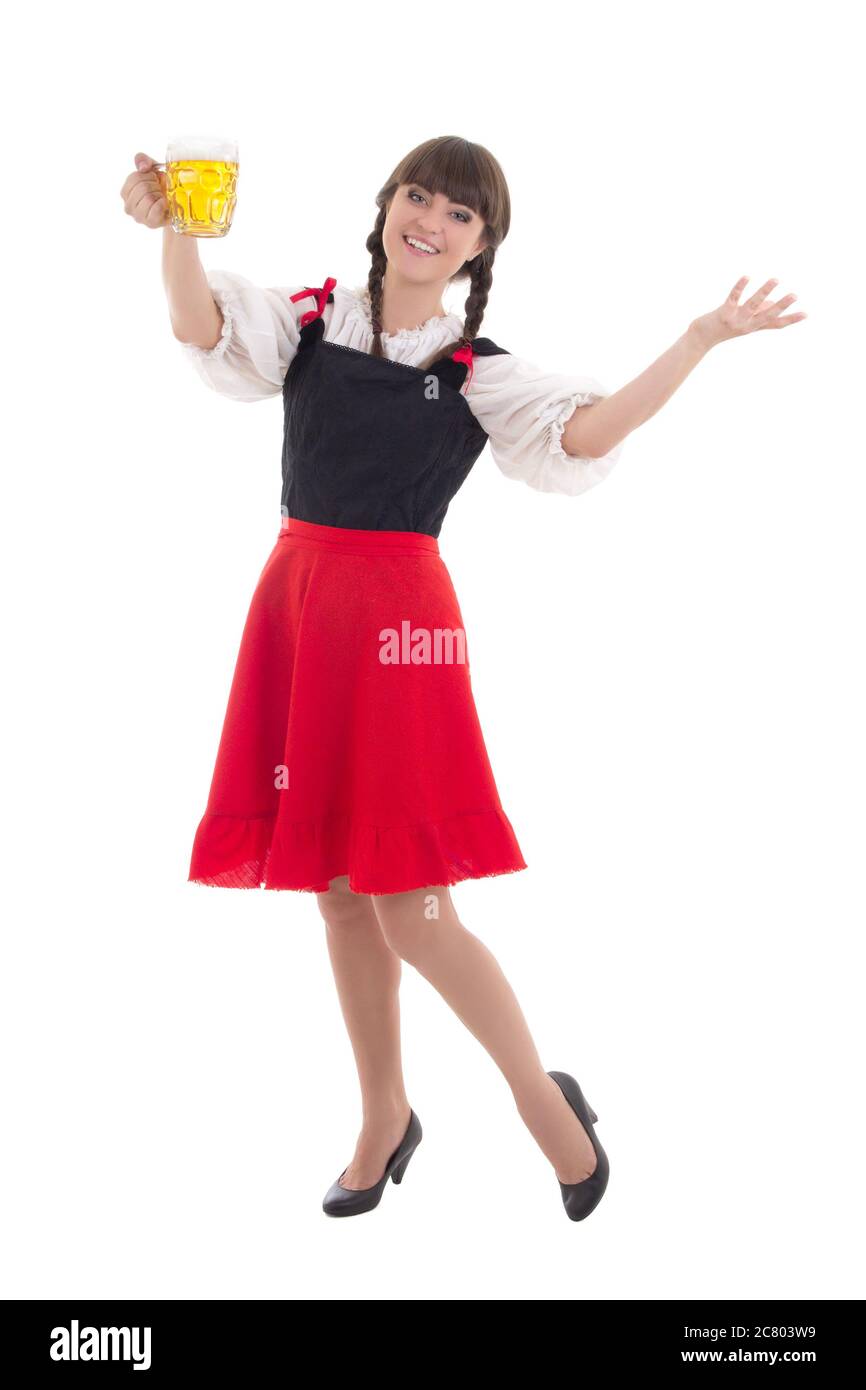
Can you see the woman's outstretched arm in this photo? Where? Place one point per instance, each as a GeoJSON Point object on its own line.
{"type": "Point", "coordinates": [593, 430]}
{"type": "Point", "coordinates": [195, 316]}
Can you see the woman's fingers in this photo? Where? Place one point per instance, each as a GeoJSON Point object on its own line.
{"type": "Point", "coordinates": [144, 193]}
{"type": "Point", "coordinates": [734, 296]}
{"type": "Point", "coordinates": [759, 311]}
{"type": "Point", "coordinates": [759, 297]}
{"type": "Point", "coordinates": [783, 322]}
{"type": "Point", "coordinates": [774, 317]}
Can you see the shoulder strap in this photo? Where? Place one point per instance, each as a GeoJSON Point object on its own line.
{"type": "Point", "coordinates": [323, 296]}
{"type": "Point", "coordinates": [479, 347]}
{"type": "Point", "coordinates": [485, 347]}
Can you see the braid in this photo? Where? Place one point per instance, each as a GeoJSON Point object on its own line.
{"type": "Point", "coordinates": [376, 247]}
{"type": "Point", "coordinates": [480, 280]}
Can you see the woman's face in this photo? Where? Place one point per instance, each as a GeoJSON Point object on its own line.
{"type": "Point", "coordinates": [453, 230]}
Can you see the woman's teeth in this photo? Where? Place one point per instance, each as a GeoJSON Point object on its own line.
{"type": "Point", "coordinates": [420, 246]}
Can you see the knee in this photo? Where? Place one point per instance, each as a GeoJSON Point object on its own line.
{"type": "Point", "coordinates": [340, 907]}
{"type": "Point", "coordinates": [410, 920]}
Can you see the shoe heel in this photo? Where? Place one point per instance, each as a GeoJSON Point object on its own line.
{"type": "Point", "coordinates": [397, 1174]}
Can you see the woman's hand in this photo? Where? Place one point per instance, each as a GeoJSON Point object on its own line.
{"type": "Point", "coordinates": [733, 319]}
{"type": "Point", "coordinates": [144, 194]}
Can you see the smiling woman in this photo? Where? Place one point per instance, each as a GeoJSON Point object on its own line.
{"type": "Point", "coordinates": [451, 199]}
{"type": "Point", "coordinates": [368, 782]}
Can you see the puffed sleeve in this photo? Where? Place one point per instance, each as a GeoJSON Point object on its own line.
{"type": "Point", "coordinates": [258, 341]}
{"type": "Point", "coordinates": [524, 411]}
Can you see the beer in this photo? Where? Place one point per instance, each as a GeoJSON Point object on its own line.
{"type": "Point", "coordinates": [201, 176]}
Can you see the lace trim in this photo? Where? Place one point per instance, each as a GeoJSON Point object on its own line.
{"type": "Point", "coordinates": [554, 417]}
{"type": "Point", "coordinates": [360, 308]}
{"type": "Point", "coordinates": [219, 349]}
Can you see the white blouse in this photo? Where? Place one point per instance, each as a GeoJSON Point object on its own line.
{"type": "Point", "coordinates": [522, 408]}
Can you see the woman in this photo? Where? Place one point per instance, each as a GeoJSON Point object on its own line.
{"type": "Point", "coordinates": [352, 762]}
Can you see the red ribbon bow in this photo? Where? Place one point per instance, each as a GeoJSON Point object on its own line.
{"type": "Point", "coordinates": [321, 299]}
{"type": "Point", "coordinates": [464, 354]}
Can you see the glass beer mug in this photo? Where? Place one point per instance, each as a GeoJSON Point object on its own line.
{"type": "Point", "coordinates": [201, 178]}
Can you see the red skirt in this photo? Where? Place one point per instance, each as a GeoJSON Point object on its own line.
{"type": "Point", "coordinates": [351, 743]}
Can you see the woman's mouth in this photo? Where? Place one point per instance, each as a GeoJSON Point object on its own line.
{"type": "Point", "coordinates": [418, 248]}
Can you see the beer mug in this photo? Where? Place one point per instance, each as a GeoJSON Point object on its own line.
{"type": "Point", "coordinates": [201, 178]}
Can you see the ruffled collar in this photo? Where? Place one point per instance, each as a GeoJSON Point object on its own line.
{"type": "Point", "coordinates": [361, 308]}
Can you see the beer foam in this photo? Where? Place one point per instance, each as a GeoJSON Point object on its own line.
{"type": "Point", "coordinates": [202, 147]}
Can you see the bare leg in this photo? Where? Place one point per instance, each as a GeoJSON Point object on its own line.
{"type": "Point", "coordinates": [367, 975]}
{"type": "Point", "coordinates": [469, 978]}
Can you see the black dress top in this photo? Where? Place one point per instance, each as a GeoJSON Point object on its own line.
{"type": "Point", "coordinates": [371, 443]}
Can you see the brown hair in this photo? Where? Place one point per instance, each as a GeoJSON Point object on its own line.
{"type": "Point", "coordinates": [466, 173]}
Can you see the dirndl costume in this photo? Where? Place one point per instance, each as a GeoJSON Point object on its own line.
{"type": "Point", "coordinates": [351, 743]}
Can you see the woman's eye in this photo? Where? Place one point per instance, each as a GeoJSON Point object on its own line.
{"type": "Point", "coordinates": [413, 193]}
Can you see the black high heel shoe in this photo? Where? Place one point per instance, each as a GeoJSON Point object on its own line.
{"type": "Point", "coordinates": [580, 1198]}
{"type": "Point", "coordinates": [349, 1201]}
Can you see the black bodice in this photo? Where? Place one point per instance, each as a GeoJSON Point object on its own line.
{"type": "Point", "coordinates": [371, 443]}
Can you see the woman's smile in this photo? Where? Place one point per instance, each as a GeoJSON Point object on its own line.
{"type": "Point", "coordinates": [415, 250]}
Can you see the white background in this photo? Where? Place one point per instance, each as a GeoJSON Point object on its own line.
{"type": "Point", "coordinates": [668, 669]}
